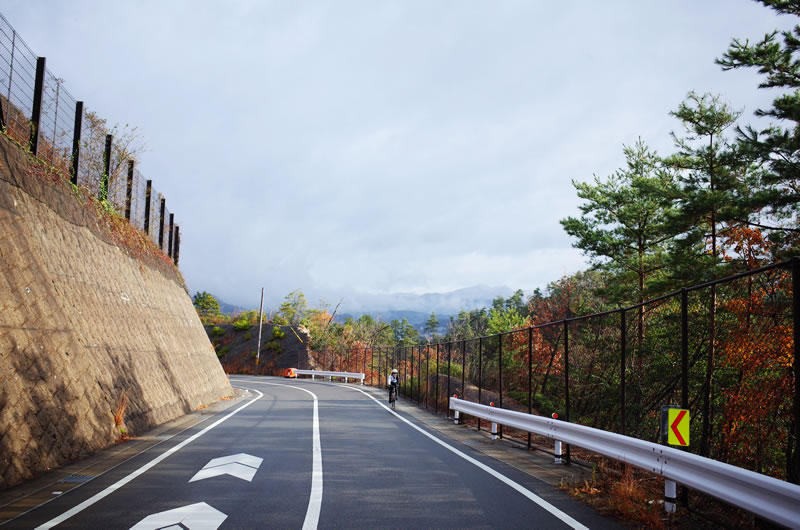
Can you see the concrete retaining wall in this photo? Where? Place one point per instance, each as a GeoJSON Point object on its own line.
{"type": "Point", "coordinates": [82, 323]}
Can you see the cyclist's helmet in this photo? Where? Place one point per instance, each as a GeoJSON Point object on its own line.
{"type": "Point", "coordinates": [394, 370]}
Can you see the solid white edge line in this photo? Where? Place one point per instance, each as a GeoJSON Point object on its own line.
{"type": "Point", "coordinates": [315, 499]}
{"type": "Point", "coordinates": [496, 474]}
{"type": "Point", "coordinates": [123, 481]}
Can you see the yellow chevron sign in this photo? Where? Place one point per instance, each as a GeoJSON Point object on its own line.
{"type": "Point", "coordinates": [678, 421]}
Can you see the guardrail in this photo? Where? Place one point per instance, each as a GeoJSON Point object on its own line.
{"type": "Point", "coordinates": [765, 496]}
{"type": "Point", "coordinates": [329, 375]}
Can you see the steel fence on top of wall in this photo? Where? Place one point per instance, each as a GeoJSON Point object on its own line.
{"type": "Point", "coordinates": [40, 113]}
{"type": "Point", "coordinates": [726, 350]}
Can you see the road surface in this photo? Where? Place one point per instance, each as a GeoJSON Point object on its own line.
{"type": "Point", "coordinates": [297, 453]}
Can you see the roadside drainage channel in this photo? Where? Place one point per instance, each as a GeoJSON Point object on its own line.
{"type": "Point", "coordinates": [20, 499]}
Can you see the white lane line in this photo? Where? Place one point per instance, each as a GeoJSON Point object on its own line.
{"type": "Point", "coordinates": [117, 485]}
{"type": "Point", "coordinates": [499, 476]}
{"type": "Point", "coordinates": [315, 500]}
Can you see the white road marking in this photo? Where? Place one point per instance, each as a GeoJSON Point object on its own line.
{"type": "Point", "coordinates": [241, 466]}
{"type": "Point", "coordinates": [499, 476]}
{"type": "Point", "coordinates": [315, 500]}
{"type": "Point", "coordinates": [198, 516]}
{"type": "Point", "coordinates": [123, 481]}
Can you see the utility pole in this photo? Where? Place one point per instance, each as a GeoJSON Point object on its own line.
{"type": "Point", "coordinates": [260, 313]}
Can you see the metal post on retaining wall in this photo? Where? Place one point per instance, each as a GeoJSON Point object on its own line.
{"type": "Point", "coordinates": [566, 376]}
{"type": "Point", "coordinates": [480, 373]}
{"type": "Point", "coordinates": [171, 228]}
{"type": "Point", "coordinates": [36, 112]}
{"type": "Point", "coordinates": [129, 191]}
{"type": "Point", "coordinates": [76, 141]}
{"type": "Point", "coordinates": [622, 346]}
{"type": "Point", "coordinates": [147, 197]}
{"type": "Point", "coordinates": [161, 224]}
{"type": "Point", "coordinates": [419, 374]}
{"type": "Point", "coordinates": [106, 169]}
{"type": "Point", "coordinates": [177, 250]}
{"type": "Point", "coordinates": [427, 374]}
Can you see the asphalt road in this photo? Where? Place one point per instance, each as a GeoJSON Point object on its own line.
{"type": "Point", "coordinates": [296, 453]}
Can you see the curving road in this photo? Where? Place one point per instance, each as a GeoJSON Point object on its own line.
{"type": "Point", "coordinates": [296, 453]}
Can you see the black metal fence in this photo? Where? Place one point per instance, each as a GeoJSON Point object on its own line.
{"type": "Point", "coordinates": [726, 350]}
{"type": "Point", "coordinates": [39, 112]}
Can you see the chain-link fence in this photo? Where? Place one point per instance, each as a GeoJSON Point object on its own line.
{"type": "Point", "coordinates": [39, 112]}
{"type": "Point", "coordinates": [725, 350]}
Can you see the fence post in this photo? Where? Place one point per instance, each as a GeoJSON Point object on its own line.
{"type": "Point", "coordinates": [76, 141]}
{"type": "Point", "coordinates": [147, 195]}
{"type": "Point", "coordinates": [55, 115]}
{"type": "Point", "coordinates": [427, 373]}
{"type": "Point", "coordinates": [419, 374]}
{"type": "Point", "coordinates": [566, 377]}
{"type": "Point", "coordinates": [129, 191]}
{"type": "Point", "coordinates": [530, 378]}
{"type": "Point", "coordinates": [480, 373]}
{"type": "Point", "coordinates": [161, 224]}
{"type": "Point", "coordinates": [463, 367]}
{"type": "Point", "coordinates": [106, 169]}
{"type": "Point", "coordinates": [449, 358]}
{"type": "Point", "coordinates": [36, 112]}
{"type": "Point", "coordinates": [793, 473]}
{"type": "Point", "coordinates": [500, 373]}
{"type": "Point", "coordinates": [436, 386]}
{"type": "Point", "coordinates": [372, 366]}
{"type": "Point", "coordinates": [171, 228]}
{"type": "Point", "coordinates": [177, 244]}
{"type": "Point", "coordinates": [622, 347]}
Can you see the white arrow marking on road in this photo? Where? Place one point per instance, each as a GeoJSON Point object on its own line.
{"type": "Point", "coordinates": [241, 466]}
{"type": "Point", "coordinates": [198, 516]}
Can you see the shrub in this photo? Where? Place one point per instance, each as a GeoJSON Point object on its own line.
{"type": "Point", "coordinates": [248, 336]}
{"type": "Point", "coordinates": [274, 346]}
{"type": "Point", "coordinates": [217, 331]}
{"type": "Point", "coordinates": [278, 333]}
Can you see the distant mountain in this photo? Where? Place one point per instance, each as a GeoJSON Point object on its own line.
{"type": "Point", "coordinates": [449, 303]}
{"type": "Point", "coordinates": [229, 309]}
{"type": "Point", "coordinates": [416, 308]}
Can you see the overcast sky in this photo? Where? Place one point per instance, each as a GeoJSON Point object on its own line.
{"type": "Point", "coordinates": [386, 146]}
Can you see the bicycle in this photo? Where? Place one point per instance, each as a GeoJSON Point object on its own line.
{"type": "Point", "coordinates": [392, 396]}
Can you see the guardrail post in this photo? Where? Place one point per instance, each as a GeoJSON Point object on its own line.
{"type": "Point", "coordinates": [669, 496]}
{"type": "Point", "coordinates": [36, 111]}
{"type": "Point", "coordinates": [557, 452]}
{"type": "Point", "coordinates": [494, 431]}
{"type": "Point", "coordinates": [129, 191]}
{"type": "Point", "coordinates": [76, 141]}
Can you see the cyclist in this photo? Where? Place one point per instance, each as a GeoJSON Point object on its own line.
{"type": "Point", "coordinates": [391, 383]}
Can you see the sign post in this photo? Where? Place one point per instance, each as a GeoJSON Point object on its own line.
{"type": "Point", "coordinates": [674, 431]}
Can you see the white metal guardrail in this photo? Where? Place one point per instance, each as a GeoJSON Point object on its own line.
{"type": "Point", "coordinates": [346, 375]}
{"type": "Point", "coordinates": [765, 496]}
